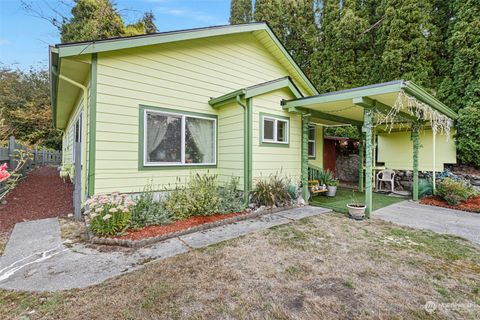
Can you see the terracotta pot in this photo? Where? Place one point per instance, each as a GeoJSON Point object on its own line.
{"type": "Point", "coordinates": [356, 212]}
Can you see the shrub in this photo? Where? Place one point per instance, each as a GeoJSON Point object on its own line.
{"type": "Point", "coordinates": [109, 214]}
{"type": "Point", "coordinates": [271, 191]}
{"type": "Point", "coordinates": [199, 196]}
{"type": "Point", "coordinates": [326, 177]}
{"type": "Point", "coordinates": [231, 199]}
{"type": "Point", "coordinates": [147, 211]}
{"type": "Point", "coordinates": [453, 191]}
{"type": "Point", "coordinates": [425, 188]}
{"type": "Point", "coordinates": [468, 135]}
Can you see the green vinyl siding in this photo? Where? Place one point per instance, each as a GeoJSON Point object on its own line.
{"type": "Point", "coordinates": [318, 160]}
{"type": "Point", "coordinates": [180, 76]}
{"type": "Point", "coordinates": [268, 160]}
{"type": "Point", "coordinates": [231, 143]}
{"type": "Point", "coordinates": [395, 149]}
{"type": "Point", "coordinates": [68, 137]}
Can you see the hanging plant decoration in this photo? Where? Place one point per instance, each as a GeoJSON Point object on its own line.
{"type": "Point", "coordinates": [422, 111]}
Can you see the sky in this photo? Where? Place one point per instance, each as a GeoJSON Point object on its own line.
{"type": "Point", "coordinates": [24, 37]}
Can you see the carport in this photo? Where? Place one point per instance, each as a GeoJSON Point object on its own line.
{"type": "Point", "coordinates": [391, 106]}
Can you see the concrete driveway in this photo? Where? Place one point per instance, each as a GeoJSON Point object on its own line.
{"type": "Point", "coordinates": [441, 220]}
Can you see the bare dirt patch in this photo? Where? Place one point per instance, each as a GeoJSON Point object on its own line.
{"type": "Point", "coordinates": [327, 267]}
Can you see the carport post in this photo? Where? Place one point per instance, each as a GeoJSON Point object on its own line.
{"type": "Point", "coordinates": [368, 128]}
{"type": "Point", "coordinates": [305, 121]}
{"type": "Point", "coordinates": [360, 159]}
{"type": "Point", "coordinates": [416, 146]}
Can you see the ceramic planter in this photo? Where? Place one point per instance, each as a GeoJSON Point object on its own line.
{"type": "Point", "coordinates": [332, 190]}
{"type": "Point", "coordinates": [356, 212]}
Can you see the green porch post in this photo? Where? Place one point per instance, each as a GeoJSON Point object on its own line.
{"type": "Point", "coordinates": [360, 159]}
{"type": "Point", "coordinates": [305, 121]}
{"type": "Point", "coordinates": [367, 128]}
{"type": "Point", "coordinates": [416, 146]}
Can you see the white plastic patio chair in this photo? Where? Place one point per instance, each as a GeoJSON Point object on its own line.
{"type": "Point", "coordinates": [386, 176]}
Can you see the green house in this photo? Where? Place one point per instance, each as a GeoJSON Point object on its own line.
{"type": "Point", "coordinates": [227, 100]}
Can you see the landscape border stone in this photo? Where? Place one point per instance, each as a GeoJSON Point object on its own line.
{"type": "Point", "coordinates": [143, 242]}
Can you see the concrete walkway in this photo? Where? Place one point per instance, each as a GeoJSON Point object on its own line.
{"type": "Point", "coordinates": [441, 220]}
{"type": "Point", "coordinates": [35, 259]}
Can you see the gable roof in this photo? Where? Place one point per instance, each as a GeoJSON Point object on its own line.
{"type": "Point", "coordinates": [255, 90]}
{"type": "Point", "coordinates": [260, 30]}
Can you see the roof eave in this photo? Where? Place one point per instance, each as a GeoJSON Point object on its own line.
{"type": "Point", "coordinates": [422, 95]}
{"type": "Point", "coordinates": [256, 90]}
{"type": "Point", "coordinates": [73, 49]}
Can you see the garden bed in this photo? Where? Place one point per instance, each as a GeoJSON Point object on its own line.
{"type": "Point", "coordinates": [147, 235]}
{"type": "Point", "coordinates": [470, 205]}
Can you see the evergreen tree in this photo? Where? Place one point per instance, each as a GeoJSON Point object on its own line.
{"type": "Point", "coordinates": [301, 32]}
{"type": "Point", "coordinates": [274, 13]}
{"type": "Point", "coordinates": [405, 40]}
{"type": "Point", "coordinates": [99, 19]}
{"type": "Point", "coordinates": [461, 86]}
{"type": "Point", "coordinates": [240, 11]}
{"type": "Point", "coordinates": [149, 22]}
{"type": "Point", "coordinates": [341, 59]}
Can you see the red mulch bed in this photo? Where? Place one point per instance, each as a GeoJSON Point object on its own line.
{"type": "Point", "coordinates": [42, 194]}
{"type": "Point", "coordinates": [155, 231]}
{"type": "Point", "coordinates": [471, 205]}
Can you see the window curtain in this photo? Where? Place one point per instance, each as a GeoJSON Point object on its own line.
{"type": "Point", "coordinates": [202, 133]}
{"type": "Point", "coordinates": [156, 130]}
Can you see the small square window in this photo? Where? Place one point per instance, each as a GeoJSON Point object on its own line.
{"type": "Point", "coordinates": [274, 130]}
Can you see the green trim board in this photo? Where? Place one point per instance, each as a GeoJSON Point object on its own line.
{"type": "Point", "coordinates": [372, 90]}
{"type": "Point", "coordinates": [322, 115]}
{"type": "Point", "coordinates": [92, 139]}
{"type": "Point", "coordinates": [256, 90]}
{"type": "Point", "coordinates": [366, 102]}
{"type": "Point", "coordinates": [249, 112]}
{"type": "Point", "coordinates": [422, 95]}
{"type": "Point", "coordinates": [141, 135]}
{"type": "Point", "coordinates": [272, 144]}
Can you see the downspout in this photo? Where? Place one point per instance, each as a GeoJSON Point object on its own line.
{"type": "Point", "coordinates": [246, 149]}
{"type": "Point", "coordinates": [85, 115]}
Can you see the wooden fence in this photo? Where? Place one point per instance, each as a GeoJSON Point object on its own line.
{"type": "Point", "coordinates": [40, 157]}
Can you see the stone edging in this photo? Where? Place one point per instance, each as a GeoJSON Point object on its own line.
{"type": "Point", "coordinates": [143, 242]}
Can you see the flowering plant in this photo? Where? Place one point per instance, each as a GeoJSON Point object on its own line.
{"type": "Point", "coordinates": [109, 214]}
{"type": "Point", "coordinates": [4, 174]}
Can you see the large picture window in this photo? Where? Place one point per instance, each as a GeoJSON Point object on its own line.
{"type": "Point", "coordinates": [312, 133]}
{"type": "Point", "coordinates": [274, 130]}
{"type": "Point", "coordinates": [178, 139]}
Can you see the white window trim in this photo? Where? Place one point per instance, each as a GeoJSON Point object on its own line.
{"type": "Point", "coordinates": [182, 150]}
{"type": "Point", "coordinates": [314, 140]}
{"type": "Point", "coordinates": [275, 138]}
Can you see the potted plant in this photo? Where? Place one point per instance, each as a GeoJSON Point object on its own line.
{"type": "Point", "coordinates": [356, 209]}
{"type": "Point", "coordinates": [332, 187]}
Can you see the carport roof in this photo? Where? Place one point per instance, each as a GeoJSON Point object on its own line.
{"type": "Point", "coordinates": [346, 106]}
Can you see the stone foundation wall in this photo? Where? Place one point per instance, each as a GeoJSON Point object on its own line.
{"type": "Point", "coordinates": [347, 167]}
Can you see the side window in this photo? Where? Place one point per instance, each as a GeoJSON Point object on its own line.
{"type": "Point", "coordinates": [178, 139]}
{"type": "Point", "coordinates": [274, 130]}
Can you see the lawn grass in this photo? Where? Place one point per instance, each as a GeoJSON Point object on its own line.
{"type": "Point", "coordinates": [344, 196]}
{"type": "Point", "coordinates": [324, 267]}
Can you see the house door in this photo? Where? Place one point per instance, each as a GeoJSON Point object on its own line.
{"type": "Point", "coordinates": [77, 162]}
{"type": "Point", "coordinates": [329, 157]}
